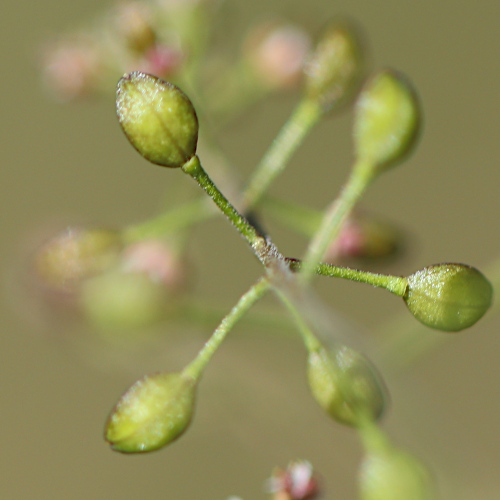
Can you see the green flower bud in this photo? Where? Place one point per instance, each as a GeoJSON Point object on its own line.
{"type": "Point", "coordinates": [152, 413]}
{"type": "Point", "coordinates": [387, 119]}
{"type": "Point", "coordinates": [334, 67]}
{"type": "Point", "coordinates": [119, 300]}
{"type": "Point", "coordinates": [346, 385]}
{"type": "Point", "coordinates": [392, 474]}
{"type": "Point", "coordinates": [449, 297]}
{"type": "Point", "coordinates": [157, 118]}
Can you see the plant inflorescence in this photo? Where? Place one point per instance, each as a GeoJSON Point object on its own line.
{"type": "Point", "coordinates": [123, 278]}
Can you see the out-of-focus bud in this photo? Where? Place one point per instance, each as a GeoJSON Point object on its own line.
{"type": "Point", "coordinates": [157, 118]}
{"type": "Point", "coordinates": [297, 482]}
{"type": "Point", "coordinates": [74, 255]}
{"type": "Point", "coordinates": [157, 260]}
{"type": "Point", "coordinates": [124, 301]}
{"type": "Point", "coordinates": [392, 474]}
{"type": "Point", "coordinates": [449, 297]}
{"type": "Point", "coordinates": [134, 23]}
{"type": "Point", "coordinates": [364, 237]}
{"type": "Point", "coordinates": [346, 385]}
{"type": "Point", "coordinates": [334, 67]}
{"type": "Point", "coordinates": [152, 413]}
{"type": "Point", "coordinates": [276, 53]}
{"type": "Point", "coordinates": [387, 120]}
{"type": "Point", "coordinates": [70, 68]}
{"type": "Point", "coordinates": [162, 60]}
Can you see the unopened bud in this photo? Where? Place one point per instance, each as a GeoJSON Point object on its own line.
{"type": "Point", "coordinates": [363, 236]}
{"type": "Point", "coordinates": [158, 119]}
{"type": "Point", "coordinates": [392, 474]}
{"type": "Point", "coordinates": [449, 297]}
{"type": "Point", "coordinates": [120, 300]}
{"type": "Point", "coordinates": [72, 67]}
{"type": "Point", "coordinates": [277, 53]}
{"type": "Point", "coordinates": [334, 66]}
{"type": "Point", "coordinates": [387, 119]}
{"type": "Point", "coordinates": [74, 255]}
{"type": "Point", "coordinates": [134, 23]}
{"type": "Point", "coordinates": [297, 482]}
{"type": "Point", "coordinates": [152, 413]}
{"type": "Point", "coordinates": [346, 385]}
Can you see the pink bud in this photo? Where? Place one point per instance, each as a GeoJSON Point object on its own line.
{"type": "Point", "coordinates": [71, 68]}
{"type": "Point", "coordinates": [297, 482]}
{"type": "Point", "coordinates": [155, 259]}
{"type": "Point", "coordinates": [277, 53]}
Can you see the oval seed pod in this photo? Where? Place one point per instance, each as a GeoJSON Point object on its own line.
{"type": "Point", "coordinates": [449, 297]}
{"type": "Point", "coordinates": [334, 67]}
{"type": "Point", "coordinates": [152, 413]}
{"type": "Point", "coordinates": [346, 385]}
{"type": "Point", "coordinates": [393, 474]}
{"type": "Point", "coordinates": [122, 301]}
{"type": "Point", "coordinates": [387, 120]}
{"type": "Point", "coordinates": [158, 119]}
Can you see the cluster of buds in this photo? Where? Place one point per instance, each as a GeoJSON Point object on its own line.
{"type": "Point", "coordinates": [133, 35]}
{"type": "Point", "coordinates": [165, 38]}
{"type": "Point", "coordinates": [112, 284]}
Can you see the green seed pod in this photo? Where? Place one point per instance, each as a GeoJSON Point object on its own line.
{"type": "Point", "coordinates": [392, 474]}
{"type": "Point", "coordinates": [158, 119]}
{"type": "Point", "coordinates": [387, 119]}
{"type": "Point", "coordinates": [152, 413]}
{"type": "Point", "coordinates": [449, 297]}
{"type": "Point", "coordinates": [334, 67]}
{"type": "Point", "coordinates": [119, 300]}
{"type": "Point", "coordinates": [346, 385]}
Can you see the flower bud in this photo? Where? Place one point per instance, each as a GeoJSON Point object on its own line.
{"type": "Point", "coordinates": [297, 482]}
{"type": "Point", "coordinates": [387, 120]}
{"type": "Point", "coordinates": [152, 413]}
{"type": "Point", "coordinates": [120, 300]}
{"type": "Point", "coordinates": [449, 297]}
{"type": "Point", "coordinates": [158, 119]}
{"type": "Point", "coordinates": [71, 68]}
{"type": "Point", "coordinates": [276, 53]}
{"type": "Point", "coordinates": [392, 474]}
{"type": "Point", "coordinates": [158, 260]}
{"type": "Point", "coordinates": [363, 236]}
{"type": "Point", "coordinates": [133, 21]}
{"type": "Point", "coordinates": [346, 385]}
{"type": "Point", "coordinates": [334, 67]}
{"type": "Point", "coordinates": [74, 255]}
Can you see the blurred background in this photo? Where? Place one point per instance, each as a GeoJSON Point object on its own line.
{"type": "Point", "coordinates": [70, 163]}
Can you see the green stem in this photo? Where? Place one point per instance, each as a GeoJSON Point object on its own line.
{"type": "Point", "coordinates": [300, 219]}
{"type": "Point", "coordinates": [310, 340]}
{"type": "Point", "coordinates": [361, 177]}
{"type": "Point", "coordinates": [172, 221]}
{"type": "Point", "coordinates": [195, 170]}
{"type": "Point", "coordinates": [303, 118]}
{"type": "Point", "coordinates": [374, 438]}
{"type": "Point", "coordinates": [257, 291]}
{"type": "Point", "coordinates": [394, 284]}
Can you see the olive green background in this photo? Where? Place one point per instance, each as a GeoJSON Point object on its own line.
{"type": "Point", "coordinates": [71, 163]}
